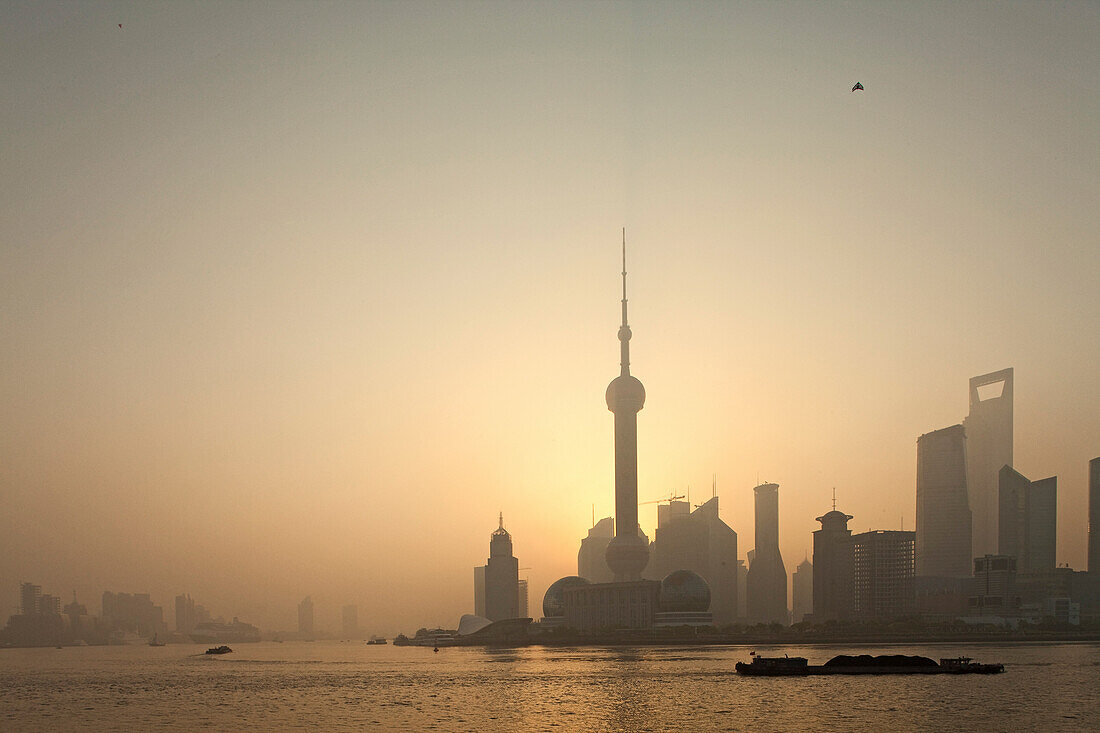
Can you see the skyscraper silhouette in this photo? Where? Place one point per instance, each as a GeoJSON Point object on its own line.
{"type": "Point", "coordinates": [883, 568]}
{"type": "Point", "coordinates": [767, 581]}
{"type": "Point", "coordinates": [943, 506]}
{"type": "Point", "coordinates": [591, 558]}
{"type": "Point", "coordinates": [988, 448]}
{"type": "Point", "coordinates": [1028, 521]}
{"type": "Point", "coordinates": [1094, 516]}
{"type": "Point", "coordinates": [701, 542]}
{"type": "Point", "coordinates": [833, 560]}
{"type": "Point", "coordinates": [501, 577]}
{"type": "Point", "coordinates": [802, 591]}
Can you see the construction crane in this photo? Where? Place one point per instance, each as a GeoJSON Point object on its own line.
{"type": "Point", "coordinates": [670, 499]}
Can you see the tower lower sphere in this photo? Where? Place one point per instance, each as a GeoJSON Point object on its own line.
{"type": "Point", "coordinates": [627, 557]}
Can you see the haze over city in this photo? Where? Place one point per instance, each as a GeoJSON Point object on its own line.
{"type": "Point", "coordinates": [295, 302]}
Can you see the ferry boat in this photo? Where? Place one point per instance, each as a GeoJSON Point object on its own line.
{"type": "Point", "coordinates": [223, 649]}
{"type": "Point", "coordinates": [863, 664]}
{"type": "Point", "coordinates": [377, 640]}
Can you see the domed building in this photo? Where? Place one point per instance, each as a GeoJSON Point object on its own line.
{"type": "Point", "coordinates": [553, 603]}
{"type": "Point", "coordinates": [684, 600]}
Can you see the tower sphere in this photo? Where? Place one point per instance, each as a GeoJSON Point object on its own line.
{"type": "Point", "coordinates": [625, 393]}
{"type": "Point", "coordinates": [627, 556]}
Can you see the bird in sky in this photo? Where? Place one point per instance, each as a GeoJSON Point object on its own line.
{"type": "Point", "coordinates": [857, 86]}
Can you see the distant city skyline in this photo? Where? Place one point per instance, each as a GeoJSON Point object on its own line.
{"type": "Point", "coordinates": [293, 300]}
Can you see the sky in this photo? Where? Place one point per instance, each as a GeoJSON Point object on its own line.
{"type": "Point", "coordinates": [296, 297]}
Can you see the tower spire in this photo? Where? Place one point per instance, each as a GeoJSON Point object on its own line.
{"type": "Point", "coordinates": [624, 276]}
{"type": "Point", "coordinates": [501, 521]}
{"type": "Point", "coordinates": [624, 329]}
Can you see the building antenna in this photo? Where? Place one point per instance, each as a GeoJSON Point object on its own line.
{"type": "Point", "coordinates": [624, 329]}
{"type": "Point", "coordinates": [502, 520]}
{"type": "Point", "coordinates": [624, 275]}
{"type": "Point", "coordinates": [593, 515]}
{"type": "Point", "coordinates": [834, 498]}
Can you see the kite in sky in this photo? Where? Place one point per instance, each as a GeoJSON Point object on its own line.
{"type": "Point", "coordinates": [857, 86]}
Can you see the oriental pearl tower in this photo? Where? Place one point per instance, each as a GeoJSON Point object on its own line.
{"type": "Point", "coordinates": [627, 554]}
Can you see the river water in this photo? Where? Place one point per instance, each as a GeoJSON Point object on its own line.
{"type": "Point", "coordinates": [344, 685]}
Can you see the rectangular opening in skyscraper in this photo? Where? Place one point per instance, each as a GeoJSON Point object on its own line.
{"type": "Point", "coordinates": [991, 391]}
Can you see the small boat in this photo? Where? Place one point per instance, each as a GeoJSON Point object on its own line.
{"type": "Point", "coordinates": [223, 649]}
{"type": "Point", "coordinates": [154, 642]}
{"type": "Point", "coordinates": [964, 665]}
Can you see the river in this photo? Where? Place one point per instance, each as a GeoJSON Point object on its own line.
{"type": "Point", "coordinates": [345, 685]}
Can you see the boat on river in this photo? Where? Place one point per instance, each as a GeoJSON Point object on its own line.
{"type": "Point", "coordinates": [223, 649]}
{"type": "Point", "coordinates": [863, 664]}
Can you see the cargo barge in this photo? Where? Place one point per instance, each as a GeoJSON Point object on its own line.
{"type": "Point", "coordinates": [863, 664]}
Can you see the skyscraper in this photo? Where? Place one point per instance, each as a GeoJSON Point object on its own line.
{"type": "Point", "coordinates": [591, 560]}
{"type": "Point", "coordinates": [479, 591]}
{"type": "Point", "coordinates": [988, 448]}
{"type": "Point", "coordinates": [29, 599]}
{"type": "Point", "coordinates": [185, 614]}
{"type": "Point", "coordinates": [501, 577]}
{"type": "Point", "coordinates": [767, 580]}
{"type": "Point", "coordinates": [943, 509]}
{"type": "Point", "coordinates": [833, 567]}
{"type": "Point", "coordinates": [802, 591]}
{"type": "Point", "coordinates": [305, 617]}
{"type": "Point", "coordinates": [1094, 516]}
{"type": "Point", "coordinates": [883, 568]}
{"type": "Point", "coordinates": [1028, 521]}
{"type": "Point", "coordinates": [522, 606]}
{"type": "Point", "coordinates": [133, 612]}
{"type": "Point", "coordinates": [627, 554]}
{"type": "Point", "coordinates": [701, 542]}
{"type": "Point", "coordinates": [49, 604]}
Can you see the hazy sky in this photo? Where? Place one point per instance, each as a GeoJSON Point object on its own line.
{"type": "Point", "coordinates": [295, 297]}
